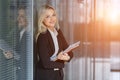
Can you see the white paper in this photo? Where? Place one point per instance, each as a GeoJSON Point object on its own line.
{"type": "Point", "coordinates": [71, 47]}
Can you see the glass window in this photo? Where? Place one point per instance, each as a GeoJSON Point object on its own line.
{"type": "Point", "coordinates": [16, 40]}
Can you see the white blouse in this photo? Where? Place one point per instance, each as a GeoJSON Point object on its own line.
{"type": "Point", "coordinates": [55, 41]}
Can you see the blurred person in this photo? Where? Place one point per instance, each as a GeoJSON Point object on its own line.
{"type": "Point", "coordinates": [18, 52]}
{"type": "Point", "coordinates": [21, 44]}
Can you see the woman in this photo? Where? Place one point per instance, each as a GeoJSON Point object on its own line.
{"type": "Point", "coordinates": [21, 44]}
{"type": "Point", "coordinates": [50, 44]}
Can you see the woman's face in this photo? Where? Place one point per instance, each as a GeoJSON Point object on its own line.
{"type": "Point", "coordinates": [21, 18]}
{"type": "Point", "coordinates": [50, 18]}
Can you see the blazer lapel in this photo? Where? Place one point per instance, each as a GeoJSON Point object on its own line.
{"type": "Point", "coordinates": [59, 41]}
{"type": "Point", "coordinates": [51, 42]}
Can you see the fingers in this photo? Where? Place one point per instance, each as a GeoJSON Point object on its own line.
{"type": "Point", "coordinates": [63, 56]}
{"type": "Point", "coordinates": [60, 55]}
{"type": "Point", "coordinates": [8, 55]}
{"type": "Point", "coordinates": [66, 57]}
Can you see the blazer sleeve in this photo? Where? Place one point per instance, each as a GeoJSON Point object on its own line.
{"type": "Point", "coordinates": [65, 44]}
{"type": "Point", "coordinates": [43, 52]}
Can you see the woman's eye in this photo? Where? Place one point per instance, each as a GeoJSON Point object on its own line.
{"type": "Point", "coordinates": [54, 14]}
{"type": "Point", "coordinates": [51, 16]}
{"type": "Point", "coordinates": [47, 16]}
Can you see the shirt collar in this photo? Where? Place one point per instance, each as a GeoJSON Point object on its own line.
{"type": "Point", "coordinates": [53, 32]}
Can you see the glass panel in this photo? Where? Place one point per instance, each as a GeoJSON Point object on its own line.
{"type": "Point", "coordinates": [96, 24]}
{"type": "Point", "coordinates": [15, 54]}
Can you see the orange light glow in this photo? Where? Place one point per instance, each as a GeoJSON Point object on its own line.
{"type": "Point", "coordinates": [112, 16]}
{"type": "Point", "coordinates": [109, 12]}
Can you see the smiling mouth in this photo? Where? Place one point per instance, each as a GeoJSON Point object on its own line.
{"type": "Point", "coordinates": [53, 22]}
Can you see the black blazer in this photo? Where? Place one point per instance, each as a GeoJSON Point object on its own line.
{"type": "Point", "coordinates": [45, 49]}
{"type": "Point", "coordinates": [21, 49]}
{"type": "Point", "coordinates": [21, 46]}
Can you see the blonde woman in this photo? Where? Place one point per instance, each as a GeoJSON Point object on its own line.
{"type": "Point", "coordinates": [50, 43]}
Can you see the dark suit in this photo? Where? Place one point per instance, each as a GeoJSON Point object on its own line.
{"type": "Point", "coordinates": [45, 49]}
{"type": "Point", "coordinates": [21, 49]}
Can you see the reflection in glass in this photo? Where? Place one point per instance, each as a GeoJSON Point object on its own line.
{"type": "Point", "coordinates": [15, 48]}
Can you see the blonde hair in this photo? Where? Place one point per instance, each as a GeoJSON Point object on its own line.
{"type": "Point", "coordinates": [41, 15]}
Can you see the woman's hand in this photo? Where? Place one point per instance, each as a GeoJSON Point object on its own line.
{"type": "Point", "coordinates": [63, 56]}
{"type": "Point", "coordinates": [8, 54]}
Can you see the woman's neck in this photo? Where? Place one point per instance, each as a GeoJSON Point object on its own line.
{"type": "Point", "coordinates": [51, 28]}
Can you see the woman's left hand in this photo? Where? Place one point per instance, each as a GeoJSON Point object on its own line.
{"type": "Point", "coordinates": [63, 56]}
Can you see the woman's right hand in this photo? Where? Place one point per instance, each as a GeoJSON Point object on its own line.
{"type": "Point", "coordinates": [63, 56]}
{"type": "Point", "coordinates": [8, 54]}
